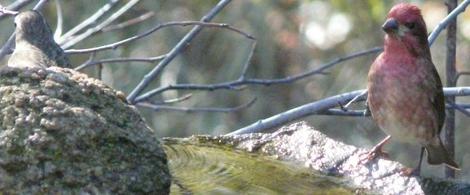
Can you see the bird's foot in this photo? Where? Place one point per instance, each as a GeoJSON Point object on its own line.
{"type": "Point", "coordinates": [410, 172]}
{"type": "Point", "coordinates": [375, 152]}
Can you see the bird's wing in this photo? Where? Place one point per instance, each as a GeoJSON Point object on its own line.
{"type": "Point", "coordinates": [437, 99]}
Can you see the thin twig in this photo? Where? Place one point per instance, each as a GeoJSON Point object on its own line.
{"type": "Point", "coordinates": [154, 29]}
{"type": "Point", "coordinates": [461, 108]}
{"type": "Point", "coordinates": [322, 106]}
{"type": "Point", "coordinates": [130, 22]}
{"type": "Point", "coordinates": [89, 21]}
{"type": "Point", "coordinates": [461, 73]}
{"type": "Point", "coordinates": [175, 51]}
{"type": "Point", "coordinates": [175, 100]}
{"type": "Point", "coordinates": [235, 84]}
{"type": "Point", "coordinates": [119, 60]}
{"type": "Point", "coordinates": [355, 99]}
{"type": "Point", "coordinates": [15, 6]}
{"type": "Point", "coordinates": [248, 60]}
{"type": "Point", "coordinates": [187, 109]}
{"type": "Point", "coordinates": [443, 24]}
{"type": "Point", "coordinates": [60, 20]}
{"type": "Point", "coordinates": [134, 94]}
{"type": "Point", "coordinates": [7, 12]}
{"type": "Point", "coordinates": [40, 4]}
{"type": "Point", "coordinates": [361, 113]}
{"type": "Point", "coordinates": [341, 112]}
{"type": "Point", "coordinates": [91, 31]}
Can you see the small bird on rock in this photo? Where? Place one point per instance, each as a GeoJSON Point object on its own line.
{"type": "Point", "coordinates": [405, 93]}
{"type": "Point", "coordinates": [35, 45]}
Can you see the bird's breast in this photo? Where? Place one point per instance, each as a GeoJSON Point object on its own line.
{"type": "Point", "coordinates": [399, 101]}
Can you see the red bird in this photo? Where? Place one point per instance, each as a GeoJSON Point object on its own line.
{"type": "Point", "coordinates": [405, 93]}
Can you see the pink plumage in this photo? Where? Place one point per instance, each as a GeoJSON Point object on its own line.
{"type": "Point", "coordinates": [405, 92]}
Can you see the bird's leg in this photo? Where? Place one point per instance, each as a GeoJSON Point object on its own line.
{"type": "Point", "coordinates": [416, 171]}
{"type": "Point", "coordinates": [377, 151]}
{"type": "Point", "coordinates": [367, 110]}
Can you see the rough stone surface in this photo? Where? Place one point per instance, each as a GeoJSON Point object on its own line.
{"type": "Point", "coordinates": [301, 143]}
{"type": "Point", "coordinates": [64, 133]}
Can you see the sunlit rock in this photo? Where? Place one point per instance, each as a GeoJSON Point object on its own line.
{"type": "Point", "coordinates": [64, 133]}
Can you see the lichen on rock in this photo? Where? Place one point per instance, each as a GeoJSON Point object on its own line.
{"type": "Point", "coordinates": [63, 132]}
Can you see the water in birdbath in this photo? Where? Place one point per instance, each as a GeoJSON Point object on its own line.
{"type": "Point", "coordinates": [206, 168]}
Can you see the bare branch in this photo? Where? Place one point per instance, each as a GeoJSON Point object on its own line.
{"type": "Point", "coordinates": [154, 29]}
{"type": "Point", "coordinates": [248, 60]}
{"type": "Point", "coordinates": [119, 60]}
{"type": "Point", "coordinates": [323, 106]}
{"type": "Point", "coordinates": [91, 31]}
{"type": "Point", "coordinates": [341, 112]}
{"type": "Point", "coordinates": [461, 73]}
{"type": "Point", "coordinates": [298, 113]}
{"type": "Point", "coordinates": [186, 109]}
{"type": "Point", "coordinates": [40, 4]}
{"type": "Point", "coordinates": [130, 22]}
{"type": "Point", "coordinates": [231, 85]}
{"type": "Point", "coordinates": [361, 113]}
{"type": "Point", "coordinates": [15, 6]}
{"type": "Point", "coordinates": [175, 100]}
{"type": "Point", "coordinates": [60, 20]}
{"type": "Point", "coordinates": [134, 94]}
{"type": "Point", "coordinates": [5, 11]}
{"type": "Point", "coordinates": [89, 21]}
{"type": "Point", "coordinates": [458, 107]}
{"type": "Point", "coordinates": [175, 51]}
{"type": "Point", "coordinates": [443, 24]}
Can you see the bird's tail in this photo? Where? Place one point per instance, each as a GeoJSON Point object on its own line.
{"type": "Point", "coordinates": [437, 154]}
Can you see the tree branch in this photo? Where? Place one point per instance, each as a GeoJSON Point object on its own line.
{"type": "Point", "coordinates": [154, 29]}
{"type": "Point", "coordinates": [461, 73]}
{"type": "Point", "coordinates": [130, 22]}
{"type": "Point", "coordinates": [187, 109]}
{"type": "Point", "coordinates": [175, 51]}
{"type": "Point", "coordinates": [15, 6]}
{"type": "Point", "coordinates": [60, 20]}
{"type": "Point", "coordinates": [91, 31]}
{"type": "Point", "coordinates": [175, 100]}
{"type": "Point", "coordinates": [323, 106]}
{"type": "Point", "coordinates": [119, 60]}
{"type": "Point", "coordinates": [242, 81]}
{"type": "Point", "coordinates": [443, 24]}
{"type": "Point", "coordinates": [89, 21]}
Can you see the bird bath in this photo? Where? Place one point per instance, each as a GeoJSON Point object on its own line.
{"type": "Point", "coordinates": [207, 168]}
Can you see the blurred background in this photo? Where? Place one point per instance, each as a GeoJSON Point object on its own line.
{"type": "Point", "coordinates": [293, 36]}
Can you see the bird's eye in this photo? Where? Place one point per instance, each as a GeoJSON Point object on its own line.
{"type": "Point", "coordinates": [410, 25]}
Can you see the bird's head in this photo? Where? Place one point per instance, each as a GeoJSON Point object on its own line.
{"type": "Point", "coordinates": [31, 26]}
{"type": "Point", "coordinates": [405, 24]}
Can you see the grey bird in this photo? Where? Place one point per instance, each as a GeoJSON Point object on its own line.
{"type": "Point", "coordinates": [35, 45]}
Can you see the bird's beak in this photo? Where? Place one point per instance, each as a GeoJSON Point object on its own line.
{"type": "Point", "coordinates": [391, 26]}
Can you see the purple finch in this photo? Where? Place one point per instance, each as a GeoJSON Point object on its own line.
{"type": "Point", "coordinates": [405, 93]}
{"type": "Point", "coordinates": [35, 45]}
